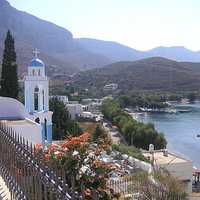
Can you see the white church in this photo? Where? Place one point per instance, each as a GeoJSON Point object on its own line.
{"type": "Point", "coordinates": [34, 120]}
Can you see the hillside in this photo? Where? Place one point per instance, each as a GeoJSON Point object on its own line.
{"type": "Point", "coordinates": [178, 53]}
{"type": "Point", "coordinates": [147, 74]}
{"type": "Point", "coordinates": [113, 50]}
{"type": "Point", "coordinates": [64, 54]}
{"type": "Point", "coordinates": [119, 52]}
{"type": "Point", "coordinates": [57, 46]}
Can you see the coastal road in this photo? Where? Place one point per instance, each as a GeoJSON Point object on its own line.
{"type": "Point", "coordinates": [115, 135]}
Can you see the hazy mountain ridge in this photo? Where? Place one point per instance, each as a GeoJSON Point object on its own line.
{"type": "Point", "coordinates": [115, 51]}
{"type": "Point", "coordinates": [148, 74]}
{"type": "Point", "coordinates": [53, 41]}
{"type": "Point", "coordinates": [64, 54]}
{"type": "Point", "coordinates": [179, 53]}
{"type": "Point", "coordinates": [119, 52]}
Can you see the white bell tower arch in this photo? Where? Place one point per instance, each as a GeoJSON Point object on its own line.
{"type": "Point", "coordinates": [36, 86]}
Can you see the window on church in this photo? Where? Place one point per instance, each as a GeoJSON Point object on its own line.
{"type": "Point", "coordinates": [37, 120]}
{"type": "Point", "coordinates": [33, 72]}
{"type": "Point", "coordinates": [43, 99]}
{"type": "Point", "coordinates": [36, 99]}
{"type": "Point", "coordinates": [45, 128]}
{"type": "Point", "coordinates": [39, 72]}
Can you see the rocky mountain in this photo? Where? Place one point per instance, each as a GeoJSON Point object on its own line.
{"type": "Point", "coordinates": [58, 48]}
{"type": "Point", "coordinates": [118, 52]}
{"type": "Point", "coordinates": [178, 53]}
{"type": "Point", "coordinates": [64, 54]}
{"type": "Point", "coordinates": [158, 74]}
{"type": "Point", "coordinates": [113, 50]}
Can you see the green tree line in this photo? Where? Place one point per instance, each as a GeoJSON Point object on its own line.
{"type": "Point", "coordinates": [135, 133]}
{"type": "Point", "coordinates": [155, 101]}
{"type": "Point", "coordinates": [147, 101]}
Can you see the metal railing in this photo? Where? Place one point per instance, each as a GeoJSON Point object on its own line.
{"type": "Point", "coordinates": [26, 175]}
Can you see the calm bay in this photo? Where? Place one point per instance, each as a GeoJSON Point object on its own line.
{"type": "Point", "coordinates": [180, 130]}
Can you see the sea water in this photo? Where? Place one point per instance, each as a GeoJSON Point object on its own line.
{"type": "Point", "coordinates": [180, 130]}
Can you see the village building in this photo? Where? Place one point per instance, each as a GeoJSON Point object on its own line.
{"type": "Point", "coordinates": [178, 166]}
{"type": "Point", "coordinates": [61, 98]}
{"type": "Point", "coordinates": [74, 109]}
{"type": "Point", "coordinates": [14, 115]}
{"type": "Point", "coordinates": [111, 87]}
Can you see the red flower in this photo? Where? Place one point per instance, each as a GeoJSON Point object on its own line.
{"type": "Point", "coordinates": [75, 141]}
{"type": "Point", "coordinates": [52, 148]}
{"type": "Point", "coordinates": [60, 155]}
{"type": "Point", "coordinates": [37, 148]}
{"type": "Point", "coordinates": [46, 157]}
{"type": "Point", "coordinates": [88, 192]}
{"type": "Point", "coordinates": [84, 137]}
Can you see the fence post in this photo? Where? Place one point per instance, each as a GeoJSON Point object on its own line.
{"type": "Point", "coordinates": [26, 174]}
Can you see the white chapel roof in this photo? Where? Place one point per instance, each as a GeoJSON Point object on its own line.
{"type": "Point", "coordinates": [11, 109]}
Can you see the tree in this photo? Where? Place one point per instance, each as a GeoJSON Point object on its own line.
{"type": "Point", "coordinates": [98, 132]}
{"type": "Point", "coordinates": [135, 133]}
{"type": "Point", "coordinates": [62, 123]}
{"type": "Point", "coordinates": [9, 78]}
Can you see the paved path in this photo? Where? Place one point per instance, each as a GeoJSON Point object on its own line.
{"type": "Point", "coordinates": [115, 135]}
{"type": "Point", "coordinates": [4, 192]}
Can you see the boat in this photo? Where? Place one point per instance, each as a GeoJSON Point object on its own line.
{"type": "Point", "coordinates": [183, 111]}
{"type": "Point", "coordinates": [198, 135]}
{"type": "Point", "coordinates": [156, 110]}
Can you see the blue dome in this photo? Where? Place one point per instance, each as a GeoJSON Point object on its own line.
{"type": "Point", "coordinates": [36, 63]}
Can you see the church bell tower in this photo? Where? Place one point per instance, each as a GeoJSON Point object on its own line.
{"type": "Point", "coordinates": [37, 96]}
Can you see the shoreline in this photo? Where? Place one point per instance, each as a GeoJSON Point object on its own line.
{"type": "Point", "coordinates": [182, 147]}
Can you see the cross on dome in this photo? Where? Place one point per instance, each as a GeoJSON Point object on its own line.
{"type": "Point", "coordinates": [36, 52]}
{"type": "Point", "coordinates": [36, 62]}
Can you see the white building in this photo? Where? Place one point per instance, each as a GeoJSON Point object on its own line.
{"type": "Point", "coordinates": [74, 110]}
{"type": "Point", "coordinates": [14, 115]}
{"type": "Point", "coordinates": [62, 98]}
{"type": "Point", "coordinates": [179, 167]}
{"type": "Point", "coordinates": [110, 87]}
{"type": "Point", "coordinates": [92, 105]}
{"type": "Point", "coordinates": [37, 97]}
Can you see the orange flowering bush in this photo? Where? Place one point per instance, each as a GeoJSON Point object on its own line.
{"type": "Point", "coordinates": [37, 148]}
{"type": "Point", "coordinates": [83, 171]}
{"type": "Point", "coordinates": [95, 179]}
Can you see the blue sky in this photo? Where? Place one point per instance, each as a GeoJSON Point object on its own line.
{"type": "Point", "coordinates": [141, 24]}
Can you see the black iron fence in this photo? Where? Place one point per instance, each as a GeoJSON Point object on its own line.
{"type": "Point", "coordinates": [26, 175]}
